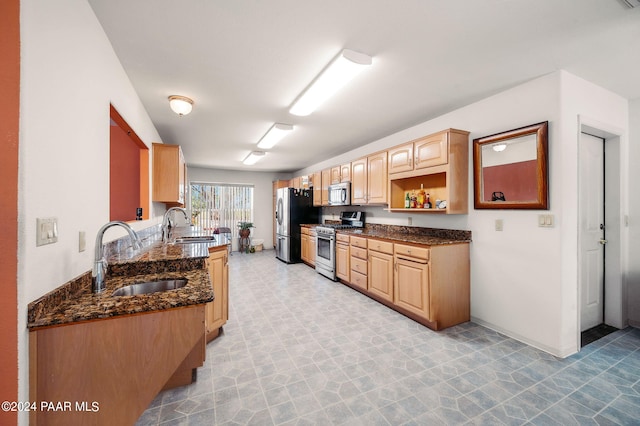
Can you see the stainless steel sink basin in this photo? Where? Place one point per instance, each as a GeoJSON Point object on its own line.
{"type": "Point", "coordinates": [196, 239]}
{"type": "Point", "coordinates": [150, 287]}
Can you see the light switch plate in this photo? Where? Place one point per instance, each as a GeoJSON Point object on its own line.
{"type": "Point", "coordinates": [499, 225]}
{"type": "Point", "coordinates": [545, 220]}
{"type": "Point", "coordinates": [46, 231]}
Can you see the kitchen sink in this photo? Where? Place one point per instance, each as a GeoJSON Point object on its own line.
{"type": "Point", "coordinates": [196, 239]}
{"type": "Point", "coordinates": [150, 287]}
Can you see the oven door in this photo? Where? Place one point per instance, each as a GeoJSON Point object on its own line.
{"type": "Point", "coordinates": [325, 255]}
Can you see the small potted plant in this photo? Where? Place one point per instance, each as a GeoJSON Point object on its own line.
{"type": "Point", "coordinates": [244, 229]}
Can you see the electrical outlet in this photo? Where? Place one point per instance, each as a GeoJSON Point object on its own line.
{"type": "Point", "coordinates": [499, 225]}
{"type": "Point", "coordinates": [82, 241]}
{"type": "Point", "coordinates": [409, 221]}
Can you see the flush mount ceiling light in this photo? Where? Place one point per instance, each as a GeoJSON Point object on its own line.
{"type": "Point", "coordinates": [499, 147]}
{"type": "Point", "coordinates": [253, 157]}
{"type": "Point", "coordinates": [339, 72]}
{"type": "Point", "coordinates": [274, 135]}
{"type": "Point", "coordinates": [181, 105]}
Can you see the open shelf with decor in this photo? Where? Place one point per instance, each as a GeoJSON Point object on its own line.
{"type": "Point", "coordinates": [447, 182]}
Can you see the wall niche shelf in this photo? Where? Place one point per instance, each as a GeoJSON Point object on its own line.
{"type": "Point", "coordinates": [448, 181]}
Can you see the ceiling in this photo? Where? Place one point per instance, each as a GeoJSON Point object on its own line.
{"type": "Point", "coordinates": [244, 62]}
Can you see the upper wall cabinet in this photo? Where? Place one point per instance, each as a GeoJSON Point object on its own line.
{"type": "Point", "coordinates": [438, 164]}
{"type": "Point", "coordinates": [169, 174]}
{"type": "Point", "coordinates": [369, 179]}
{"type": "Point", "coordinates": [341, 173]}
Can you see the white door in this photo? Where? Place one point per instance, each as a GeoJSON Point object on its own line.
{"type": "Point", "coordinates": [592, 231]}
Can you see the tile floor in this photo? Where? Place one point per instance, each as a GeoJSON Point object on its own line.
{"type": "Point", "coordinates": [302, 350]}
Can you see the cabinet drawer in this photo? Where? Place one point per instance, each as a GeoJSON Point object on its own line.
{"type": "Point", "coordinates": [360, 253]}
{"type": "Point", "coordinates": [359, 265]}
{"type": "Point", "coordinates": [304, 230]}
{"type": "Point", "coordinates": [342, 238]}
{"type": "Point", "coordinates": [412, 251]}
{"type": "Point", "coordinates": [381, 246]}
{"type": "Point", "coordinates": [358, 242]}
{"type": "Point", "coordinates": [359, 280]}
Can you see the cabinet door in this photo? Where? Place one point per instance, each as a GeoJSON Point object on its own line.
{"type": "Point", "coordinates": [345, 173]}
{"type": "Point", "coordinates": [377, 179]}
{"type": "Point", "coordinates": [217, 312]}
{"type": "Point", "coordinates": [400, 158]}
{"type": "Point", "coordinates": [326, 181]}
{"type": "Point", "coordinates": [317, 188]}
{"type": "Point", "coordinates": [312, 249]}
{"type": "Point", "coordinates": [431, 151]}
{"type": "Point", "coordinates": [380, 274]}
{"type": "Point", "coordinates": [342, 261]}
{"type": "Point", "coordinates": [168, 174]}
{"type": "Point", "coordinates": [359, 181]}
{"type": "Point", "coordinates": [304, 247]}
{"type": "Point", "coordinates": [411, 286]}
{"type": "Point", "coordinates": [335, 174]}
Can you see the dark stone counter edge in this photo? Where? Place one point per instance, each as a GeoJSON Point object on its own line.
{"type": "Point", "coordinates": [409, 234]}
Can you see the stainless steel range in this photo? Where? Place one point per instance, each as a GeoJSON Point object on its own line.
{"type": "Point", "coordinates": [326, 242]}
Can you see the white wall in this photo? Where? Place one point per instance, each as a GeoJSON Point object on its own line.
{"type": "Point", "coordinates": [263, 195]}
{"type": "Point", "coordinates": [523, 279]}
{"type": "Point", "coordinates": [69, 76]}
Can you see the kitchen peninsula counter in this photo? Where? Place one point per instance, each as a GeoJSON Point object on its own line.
{"type": "Point", "coordinates": [74, 301]}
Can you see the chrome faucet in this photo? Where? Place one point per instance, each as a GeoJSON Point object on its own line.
{"type": "Point", "coordinates": [167, 224]}
{"type": "Point", "coordinates": [100, 264]}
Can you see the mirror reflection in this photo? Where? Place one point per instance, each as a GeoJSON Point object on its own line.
{"type": "Point", "coordinates": [509, 170]}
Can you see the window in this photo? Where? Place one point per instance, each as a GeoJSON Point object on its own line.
{"type": "Point", "coordinates": [216, 205]}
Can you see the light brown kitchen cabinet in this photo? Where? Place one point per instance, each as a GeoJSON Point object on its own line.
{"type": "Point", "coordinates": [358, 262]}
{"type": "Point", "coordinates": [217, 311]}
{"type": "Point", "coordinates": [369, 179]}
{"type": "Point", "coordinates": [380, 269]}
{"type": "Point", "coordinates": [439, 164]}
{"type": "Point", "coordinates": [304, 244]}
{"type": "Point", "coordinates": [296, 182]}
{"type": "Point", "coordinates": [411, 279]}
{"type": "Point", "coordinates": [326, 181]}
{"type": "Point", "coordinates": [308, 240]}
{"type": "Point", "coordinates": [313, 241]}
{"type": "Point", "coordinates": [169, 174]}
{"type": "Point", "coordinates": [341, 173]}
{"type": "Point", "coordinates": [316, 181]}
{"type": "Point", "coordinates": [342, 257]}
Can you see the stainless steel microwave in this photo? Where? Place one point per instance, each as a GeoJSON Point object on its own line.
{"type": "Point", "coordinates": [340, 194]}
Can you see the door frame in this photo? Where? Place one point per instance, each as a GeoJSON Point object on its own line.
{"type": "Point", "coordinates": [616, 218]}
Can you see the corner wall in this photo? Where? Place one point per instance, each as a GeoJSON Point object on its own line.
{"type": "Point", "coordinates": [70, 76]}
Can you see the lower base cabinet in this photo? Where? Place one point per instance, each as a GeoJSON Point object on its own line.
{"type": "Point", "coordinates": [217, 312]}
{"type": "Point", "coordinates": [430, 284]}
{"type": "Point", "coordinates": [411, 291]}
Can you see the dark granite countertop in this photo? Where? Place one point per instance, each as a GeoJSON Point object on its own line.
{"type": "Point", "coordinates": [73, 301]}
{"type": "Point", "coordinates": [411, 234]}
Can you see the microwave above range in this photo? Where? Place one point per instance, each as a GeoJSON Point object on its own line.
{"type": "Point", "coordinates": [340, 194]}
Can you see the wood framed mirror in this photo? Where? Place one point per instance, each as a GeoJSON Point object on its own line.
{"type": "Point", "coordinates": [510, 169]}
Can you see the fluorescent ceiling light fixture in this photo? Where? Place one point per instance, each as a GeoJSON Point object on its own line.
{"type": "Point", "coordinates": [181, 105]}
{"type": "Point", "coordinates": [499, 147]}
{"type": "Point", "coordinates": [339, 72]}
{"type": "Point", "coordinates": [274, 135]}
{"type": "Point", "coordinates": [253, 157]}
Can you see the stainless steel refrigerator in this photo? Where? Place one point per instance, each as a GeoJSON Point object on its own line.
{"type": "Point", "coordinates": [293, 207]}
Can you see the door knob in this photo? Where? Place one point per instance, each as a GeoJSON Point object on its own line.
{"type": "Point", "coordinates": [603, 242]}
